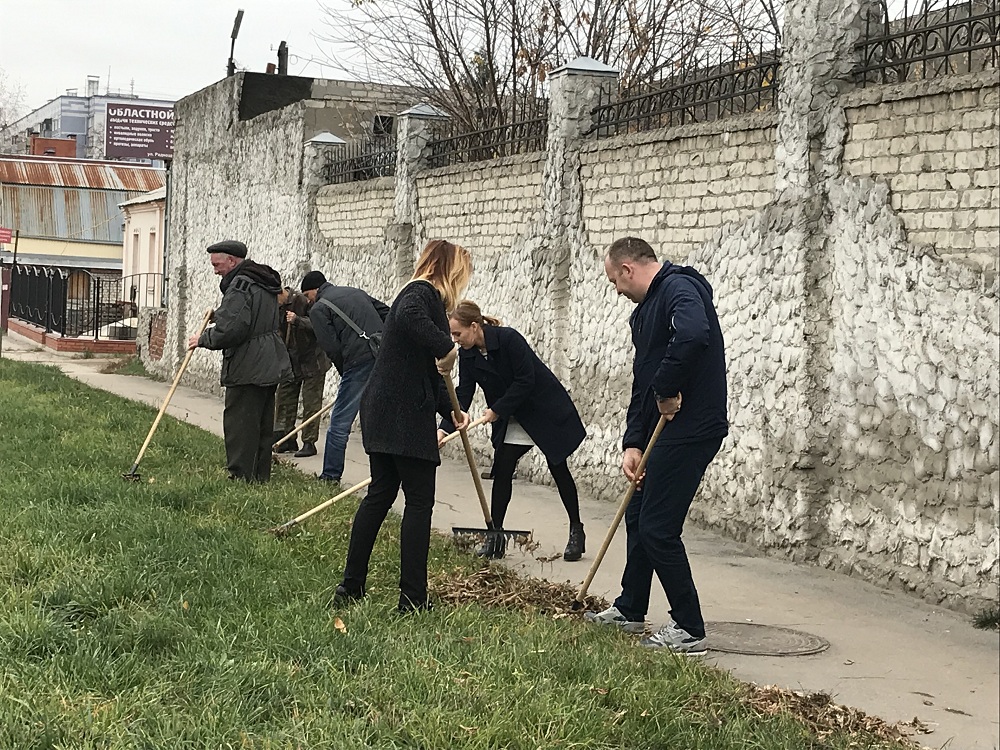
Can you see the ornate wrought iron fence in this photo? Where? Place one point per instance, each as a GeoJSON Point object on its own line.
{"type": "Point", "coordinates": [522, 137]}
{"type": "Point", "coordinates": [740, 81]}
{"type": "Point", "coordinates": [364, 160]}
{"type": "Point", "coordinates": [928, 40]}
{"type": "Point", "coordinates": [38, 296]}
{"type": "Point", "coordinates": [78, 303]}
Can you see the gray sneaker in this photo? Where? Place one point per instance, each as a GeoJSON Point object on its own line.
{"type": "Point", "coordinates": [611, 616]}
{"type": "Point", "coordinates": [677, 640]}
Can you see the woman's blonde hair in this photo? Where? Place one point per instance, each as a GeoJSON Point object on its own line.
{"type": "Point", "coordinates": [467, 312]}
{"type": "Point", "coordinates": [448, 267]}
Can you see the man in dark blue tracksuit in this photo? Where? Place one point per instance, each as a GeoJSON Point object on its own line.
{"type": "Point", "coordinates": [680, 373]}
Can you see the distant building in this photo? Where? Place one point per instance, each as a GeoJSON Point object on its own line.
{"type": "Point", "coordinates": [67, 211]}
{"type": "Point", "coordinates": [52, 146]}
{"type": "Point", "coordinates": [72, 116]}
{"type": "Point", "coordinates": [142, 253]}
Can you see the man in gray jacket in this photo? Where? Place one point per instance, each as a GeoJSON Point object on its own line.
{"type": "Point", "coordinates": [254, 358]}
{"type": "Point", "coordinates": [348, 326]}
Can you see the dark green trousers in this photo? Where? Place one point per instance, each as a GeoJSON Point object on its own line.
{"type": "Point", "coordinates": [248, 426]}
{"type": "Point", "coordinates": [287, 406]}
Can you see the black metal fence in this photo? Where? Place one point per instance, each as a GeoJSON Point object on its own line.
{"type": "Point", "coordinates": [736, 81]}
{"type": "Point", "coordinates": [81, 304]}
{"type": "Point", "coordinates": [524, 137]}
{"type": "Point", "coordinates": [929, 39]}
{"type": "Point", "coordinates": [362, 160]}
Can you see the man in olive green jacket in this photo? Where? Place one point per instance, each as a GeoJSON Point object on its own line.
{"type": "Point", "coordinates": [254, 358]}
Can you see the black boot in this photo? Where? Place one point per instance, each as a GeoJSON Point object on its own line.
{"type": "Point", "coordinates": [494, 547]}
{"type": "Point", "coordinates": [577, 543]}
{"type": "Point", "coordinates": [308, 449]}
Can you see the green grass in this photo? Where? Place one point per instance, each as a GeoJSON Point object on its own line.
{"type": "Point", "coordinates": [162, 615]}
{"type": "Point", "coordinates": [130, 365]}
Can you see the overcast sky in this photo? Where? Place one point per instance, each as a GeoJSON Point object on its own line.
{"type": "Point", "coordinates": [171, 48]}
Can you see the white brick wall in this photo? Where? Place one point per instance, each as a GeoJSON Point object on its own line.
{"type": "Point", "coordinates": [937, 143]}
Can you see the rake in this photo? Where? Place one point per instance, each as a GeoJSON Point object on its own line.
{"type": "Point", "coordinates": [132, 474]}
{"type": "Point", "coordinates": [287, 526]}
{"type": "Point", "coordinates": [578, 602]}
{"type": "Point", "coordinates": [490, 532]}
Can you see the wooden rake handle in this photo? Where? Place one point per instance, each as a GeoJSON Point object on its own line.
{"type": "Point", "coordinates": [468, 451]}
{"type": "Point", "coordinates": [626, 498]}
{"type": "Point", "coordinates": [359, 486]}
{"type": "Point", "coordinates": [323, 410]}
{"type": "Point", "coordinates": [170, 393]}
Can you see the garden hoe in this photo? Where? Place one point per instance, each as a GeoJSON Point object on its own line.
{"type": "Point", "coordinates": [132, 475]}
{"type": "Point", "coordinates": [492, 535]}
{"type": "Point", "coordinates": [578, 602]}
{"type": "Point", "coordinates": [287, 526]}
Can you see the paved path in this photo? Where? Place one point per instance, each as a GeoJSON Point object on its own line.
{"type": "Point", "coordinates": [891, 655]}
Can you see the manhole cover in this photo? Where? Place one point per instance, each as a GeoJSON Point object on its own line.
{"type": "Point", "coordinates": [761, 640]}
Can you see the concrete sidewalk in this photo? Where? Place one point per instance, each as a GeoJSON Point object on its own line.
{"type": "Point", "coordinates": [891, 655]}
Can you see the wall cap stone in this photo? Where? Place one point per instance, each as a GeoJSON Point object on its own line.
{"type": "Point", "coordinates": [916, 89]}
{"type": "Point", "coordinates": [328, 192]}
{"type": "Point", "coordinates": [535, 157]}
{"type": "Point", "coordinates": [752, 121]}
{"type": "Point", "coordinates": [585, 66]}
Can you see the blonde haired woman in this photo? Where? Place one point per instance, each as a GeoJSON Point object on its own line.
{"type": "Point", "coordinates": [398, 422]}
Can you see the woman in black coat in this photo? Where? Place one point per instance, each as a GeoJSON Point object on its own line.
{"type": "Point", "coordinates": [528, 406]}
{"type": "Point", "coordinates": [398, 408]}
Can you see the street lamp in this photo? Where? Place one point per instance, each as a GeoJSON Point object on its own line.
{"type": "Point", "coordinates": [231, 68]}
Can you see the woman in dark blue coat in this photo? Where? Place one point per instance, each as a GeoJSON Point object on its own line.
{"type": "Point", "coordinates": [528, 407]}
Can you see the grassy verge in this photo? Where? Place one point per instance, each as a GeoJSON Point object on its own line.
{"type": "Point", "coordinates": [162, 615]}
{"type": "Point", "coordinates": [130, 365]}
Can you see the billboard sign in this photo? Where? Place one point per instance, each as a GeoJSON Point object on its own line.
{"type": "Point", "coordinates": [138, 131]}
{"type": "Point", "coordinates": [5, 235]}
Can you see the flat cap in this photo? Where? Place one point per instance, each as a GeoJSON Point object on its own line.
{"type": "Point", "coordinates": [229, 247]}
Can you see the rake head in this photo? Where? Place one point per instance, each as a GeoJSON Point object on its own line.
{"type": "Point", "coordinates": [513, 535]}
{"type": "Point", "coordinates": [132, 476]}
{"type": "Point", "coordinates": [283, 529]}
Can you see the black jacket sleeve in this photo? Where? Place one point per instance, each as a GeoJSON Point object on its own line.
{"type": "Point", "coordinates": [415, 320]}
{"type": "Point", "coordinates": [380, 307]}
{"type": "Point", "coordinates": [519, 353]}
{"type": "Point", "coordinates": [326, 334]}
{"type": "Point", "coordinates": [685, 313]}
{"type": "Point", "coordinates": [232, 321]}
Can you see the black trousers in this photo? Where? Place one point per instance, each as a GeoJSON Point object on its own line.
{"type": "Point", "coordinates": [417, 477]}
{"type": "Point", "coordinates": [654, 521]}
{"type": "Point", "coordinates": [505, 462]}
{"type": "Point", "coordinates": [248, 427]}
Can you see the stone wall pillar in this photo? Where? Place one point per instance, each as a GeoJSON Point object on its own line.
{"type": "Point", "coordinates": [574, 90]}
{"type": "Point", "coordinates": [414, 131]}
{"type": "Point", "coordinates": [818, 38]}
{"type": "Point", "coordinates": [818, 58]}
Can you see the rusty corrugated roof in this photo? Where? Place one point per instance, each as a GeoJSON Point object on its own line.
{"type": "Point", "coordinates": [83, 173]}
{"type": "Point", "coordinates": [63, 213]}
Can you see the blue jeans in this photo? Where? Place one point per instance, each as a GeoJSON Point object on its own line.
{"type": "Point", "coordinates": [654, 521]}
{"type": "Point", "coordinates": [345, 411]}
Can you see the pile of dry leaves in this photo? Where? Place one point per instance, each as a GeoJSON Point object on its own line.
{"type": "Point", "coordinates": [824, 717]}
{"type": "Point", "coordinates": [497, 586]}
